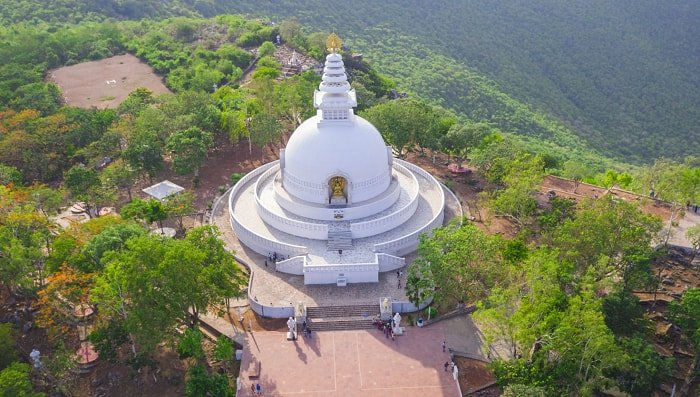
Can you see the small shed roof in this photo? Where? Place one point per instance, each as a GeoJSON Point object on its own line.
{"type": "Point", "coordinates": [163, 189]}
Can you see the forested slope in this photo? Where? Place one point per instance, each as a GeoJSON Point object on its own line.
{"type": "Point", "coordinates": [622, 74]}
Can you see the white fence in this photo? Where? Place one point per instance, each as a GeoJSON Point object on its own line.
{"type": "Point", "coordinates": [258, 243]}
{"type": "Point", "coordinates": [409, 242]}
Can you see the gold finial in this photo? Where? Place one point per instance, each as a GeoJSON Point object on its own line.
{"type": "Point", "coordinates": [333, 42]}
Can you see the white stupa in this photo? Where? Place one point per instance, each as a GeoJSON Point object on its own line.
{"type": "Point", "coordinates": [337, 207]}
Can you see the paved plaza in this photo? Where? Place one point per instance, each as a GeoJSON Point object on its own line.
{"type": "Point", "coordinates": [349, 363]}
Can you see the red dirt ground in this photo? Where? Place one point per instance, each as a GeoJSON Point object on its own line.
{"type": "Point", "coordinates": [105, 83]}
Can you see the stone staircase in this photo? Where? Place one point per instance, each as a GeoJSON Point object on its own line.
{"type": "Point", "coordinates": [339, 240]}
{"type": "Point", "coordinates": [332, 318]}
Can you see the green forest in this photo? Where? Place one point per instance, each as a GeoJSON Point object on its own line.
{"type": "Point", "coordinates": [621, 76]}
{"type": "Point", "coordinates": [559, 292]}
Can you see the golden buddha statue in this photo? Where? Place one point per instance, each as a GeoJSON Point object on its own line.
{"type": "Point", "coordinates": [337, 185]}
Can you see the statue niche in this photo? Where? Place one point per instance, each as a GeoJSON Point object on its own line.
{"type": "Point", "coordinates": [338, 194]}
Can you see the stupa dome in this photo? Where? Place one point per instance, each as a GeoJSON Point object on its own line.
{"type": "Point", "coordinates": [319, 151]}
{"type": "Point", "coordinates": [335, 154]}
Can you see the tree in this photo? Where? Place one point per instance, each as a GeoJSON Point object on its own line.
{"type": "Point", "coordinates": [586, 348]}
{"type": "Point", "coordinates": [46, 199]}
{"type": "Point", "coordinates": [136, 101]}
{"type": "Point", "coordinates": [576, 171]}
{"type": "Point", "coordinates": [461, 138]}
{"type": "Point", "coordinates": [686, 315]}
{"type": "Point", "coordinates": [290, 31]}
{"type": "Point", "coordinates": [674, 182]}
{"type": "Point", "coordinates": [223, 350]}
{"type": "Point", "coordinates": [22, 246]}
{"type": "Point", "coordinates": [613, 237]}
{"type": "Point", "coordinates": [458, 263]}
{"type": "Point", "coordinates": [180, 205]}
{"type": "Point", "coordinates": [522, 178]}
{"type": "Point", "coordinates": [404, 123]}
{"type": "Point", "coordinates": [8, 353]}
{"type": "Point", "coordinates": [518, 390]}
{"type": "Point", "coordinates": [144, 153]}
{"type": "Point", "coordinates": [9, 174]}
{"type": "Point", "coordinates": [111, 239]}
{"type": "Point", "coordinates": [219, 270]}
{"type": "Point", "coordinates": [497, 313]}
{"type": "Point", "coordinates": [191, 275]}
{"type": "Point", "coordinates": [84, 184]}
{"type": "Point", "coordinates": [189, 149]}
{"type": "Point", "coordinates": [190, 344]}
{"type": "Point", "coordinates": [200, 383]}
{"type": "Point", "coordinates": [693, 235]}
{"type": "Point", "coordinates": [623, 313]}
{"type": "Point", "coordinates": [264, 128]}
{"type": "Point", "coordinates": [643, 369]}
{"type": "Point", "coordinates": [266, 49]}
{"type": "Point", "coordinates": [15, 382]}
{"type": "Point", "coordinates": [494, 156]}
{"type": "Point", "coordinates": [66, 290]}
{"type": "Point", "coordinates": [119, 175]}
{"type": "Point", "coordinates": [147, 210]}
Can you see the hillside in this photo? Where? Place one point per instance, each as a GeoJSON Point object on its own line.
{"type": "Point", "coordinates": [622, 74]}
{"type": "Point", "coordinates": [620, 77]}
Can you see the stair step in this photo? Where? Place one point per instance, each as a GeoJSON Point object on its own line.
{"type": "Point", "coordinates": [340, 325]}
{"type": "Point", "coordinates": [325, 312]}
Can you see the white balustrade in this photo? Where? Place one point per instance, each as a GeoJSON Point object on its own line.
{"type": "Point", "coordinates": [410, 241]}
{"type": "Point", "coordinates": [317, 231]}
{"type": "Point", "coordinates": [257, 242]}
{"type": "Point", "coordinates": [391, 221]}
{"type": "Point", "coordinates": [293, 265]}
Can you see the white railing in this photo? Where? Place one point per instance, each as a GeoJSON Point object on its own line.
{"type": "Point", "coordinates": [389, 262]}
{"type": "Point", "coordinates": [258, 243]}
{"type": "Point", "coordinates": [294, 265]}
{"type": "Point", "coordinates": [411, 240]}
{"type": "Point", "coordinates": [391, 221]}
{"type": "Point", "coordinates": [350, 267]}
{"type": "Point", "coordinates": [317, 231]}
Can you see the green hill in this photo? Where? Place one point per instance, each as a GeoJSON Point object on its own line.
{"type": "Point", "coordinates": [619, 76]}
{"type": "Point", "coordinates": [624, 75]}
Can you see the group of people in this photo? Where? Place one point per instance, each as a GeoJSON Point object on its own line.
{"type": "Point", "coordinates": [399, 273]}
{"type": "Point", "coordinates": [385, 327]}
{"type": "Point", "coordinates": [255, 388]}
{"type": "Point", "coordinates": [274, 258]}
{"type": "Point", "coordinates": [449, 365]}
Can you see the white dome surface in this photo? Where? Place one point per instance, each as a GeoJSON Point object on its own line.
{"type": "Point", "coordinates": [319, 150]}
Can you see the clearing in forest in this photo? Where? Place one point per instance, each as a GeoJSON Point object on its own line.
{"type": "Point", "coordinates": [105, 83]}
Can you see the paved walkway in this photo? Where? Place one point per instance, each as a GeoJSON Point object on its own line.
{"type": "Point", "coordinates": [349, 363]}
{"type": "Point", "coordinates": [678, 233]}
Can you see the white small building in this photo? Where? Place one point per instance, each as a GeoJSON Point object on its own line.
{"type": "Point", "coordinates": [337, 207]}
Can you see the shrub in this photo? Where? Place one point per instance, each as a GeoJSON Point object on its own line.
{"type": "Point", "coordinates": [236, 176]}
{"type": "Point", "coordinates": [266, 49]}
{"type": "Point", "coordinates": [190, 344]}
{"type": "Point", "coordinates": [8, 354]}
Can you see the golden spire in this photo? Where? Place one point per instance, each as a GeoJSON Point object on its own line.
{"type": "Point", "coordinates": [333, 42]}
